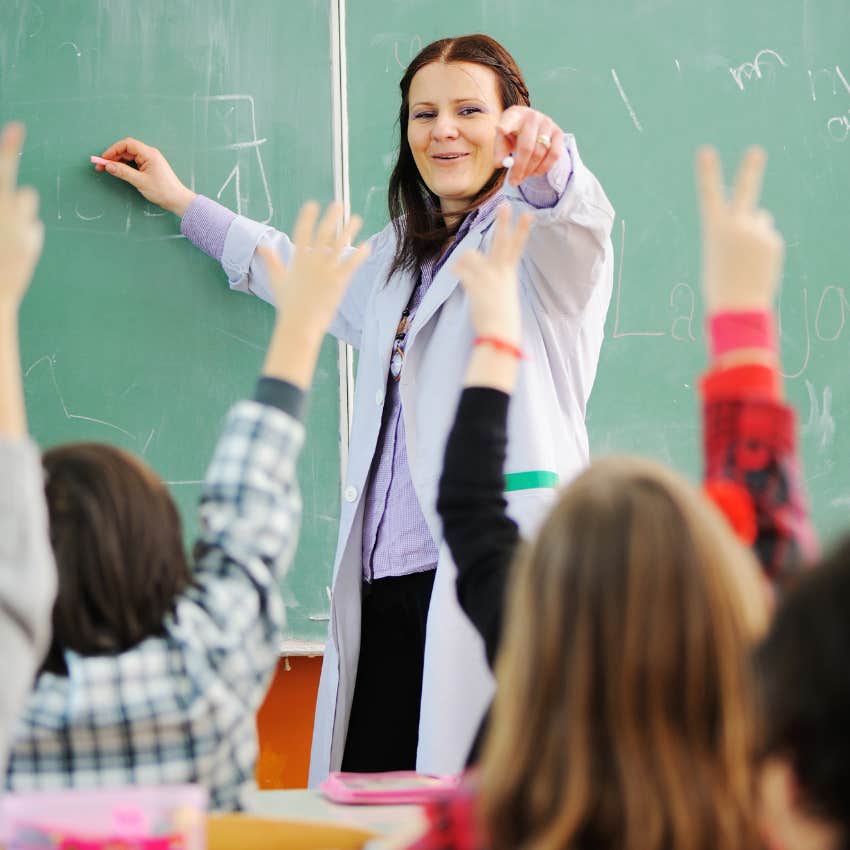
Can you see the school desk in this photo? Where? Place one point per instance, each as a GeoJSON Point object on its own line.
{"type": "Point", "coordinates": [312, 806]}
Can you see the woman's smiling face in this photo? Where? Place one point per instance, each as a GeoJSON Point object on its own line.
{"type": "Point", "coordinates": [451, 127]}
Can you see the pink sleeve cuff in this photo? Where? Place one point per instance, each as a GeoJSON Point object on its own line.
{"type": "Point", "coordinates": [732, 330]}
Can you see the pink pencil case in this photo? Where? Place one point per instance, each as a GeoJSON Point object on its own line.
{"type": "Point", "coordinates": [394, 787]}
{"type": "Point", "coordinates": [133, 818]}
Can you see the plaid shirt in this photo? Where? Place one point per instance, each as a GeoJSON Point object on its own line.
{"type": "Point", "coordinates": [181, 707]}
{"type": "Point", "coordinates": [750, 446]}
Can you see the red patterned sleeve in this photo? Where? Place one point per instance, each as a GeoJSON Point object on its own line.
{"type": "Point", "coordinates": [752, 468]}
{"type": "Point", "coordinates": [452, 823]}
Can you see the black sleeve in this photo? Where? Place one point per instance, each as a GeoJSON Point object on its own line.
{"type": "Point", "coordinates": [281, 394]}
{"type": "Point", "coordinates": [471, 502]}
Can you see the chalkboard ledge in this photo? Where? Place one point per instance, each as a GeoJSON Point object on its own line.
{"type": "Point", "coordinates": [289, 648]}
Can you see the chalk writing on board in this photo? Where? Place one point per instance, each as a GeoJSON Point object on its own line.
{"type": "Point", "coordinates": [808, 349]}
{"type": "Point", "coordinates": [148, 441]}
{"type": "Point", "coordinates": [85, 216]}
{"type": "Point", "coordinates": [825, 322]}
{"type": "Point", "coordinates": [73, 47]}
{"type": "Point", "coordinates": [556, 73]}
{"type": "Point", "coordinates": [833, 76]}
{"type": "Point", "coordinates": [683, 326]}
{"type": "Point", "coordinates": [402, 47]}
{"type": "Point", "coordinates": [36, 24]}
{"type": "Point", "coordinates": [241, 339]}
{"type": "Point", "coordinates": [373, 192]}
{"type": "Point", "coordinates": [821, 423]}
{"type": "Point", "coordinates": [833, 301]}
{"type": "Point", "coordinates": [748, 70]}
{"type": "Point", "coordinates": [838, 127]}
{"type": "Point", "coordinates": [619, 293]}
{"type": "Point", "coordinates": [413, 47]}
{"type": "Point", "coordinates": [632, 114]}
{"type": "Point", "coordinates": [50, 360]}
{"type": "Point", "coordinates": [235, 105]}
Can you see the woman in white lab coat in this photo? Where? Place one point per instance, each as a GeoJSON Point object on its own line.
{"type": "Point", "coordinates": [404, 677]}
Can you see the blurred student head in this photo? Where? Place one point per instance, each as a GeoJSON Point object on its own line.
{"type": "Point", "coordinates": [117, 539]}
{"type": "Point", "coordinates": [804, 688]}
{"type": "Point", "coordinates": [624, 711]}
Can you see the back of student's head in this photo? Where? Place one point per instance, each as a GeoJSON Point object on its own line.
{"type": "Point", "coordinates": [804, 683]}
{"type": "Point", "coordinates": [623, 716]}
{"type": "Point", "coordinates": [117, 539]}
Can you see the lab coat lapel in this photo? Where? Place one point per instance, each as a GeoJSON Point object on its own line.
{"type": "Point", "coordinates": [445, 282]}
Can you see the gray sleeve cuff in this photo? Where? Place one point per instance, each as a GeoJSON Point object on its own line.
{"type": "Point", "coordinates": [282, 395]}
{"type": "Point", "coordinates": [205, 224]}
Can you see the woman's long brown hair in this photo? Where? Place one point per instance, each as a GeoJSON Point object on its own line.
{"type": "Point", "coordinates": [414, 210]}
{"type": "Point", "coordinates": [623, 718]}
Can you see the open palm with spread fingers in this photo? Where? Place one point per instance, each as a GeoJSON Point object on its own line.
{"type": "Point", "coordinates": [490, 279]}
{"type": "Point", "coordinates": [309, 291]}
{"type": "Point", "coordinates": [742, 250]}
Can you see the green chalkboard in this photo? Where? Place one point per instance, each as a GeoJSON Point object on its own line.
{"type": "Point", "coordinates": [641, 83]}
{"type": "Point", "coordinates": [130, 334]}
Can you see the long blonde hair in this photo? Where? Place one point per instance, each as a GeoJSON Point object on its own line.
{"type": "Point", "coordinates": [624, 712]}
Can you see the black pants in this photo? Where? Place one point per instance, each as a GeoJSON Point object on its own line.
{"type": "Point", "coordinates": [383, 730]}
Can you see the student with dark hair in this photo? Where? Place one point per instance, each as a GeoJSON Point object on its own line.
{"type": "Point", "coordinates": [116, 533]}
{"type": "Point", "coordinates": [801, 668]}
{"type": "Point", "coordinates": [159, 665]}
{"type": "Point", "coordinates": [624, 716]}
{"type": "Point", "coordinates": [404, 680]}
{"type": "Point", "coordinates": [27, 571]}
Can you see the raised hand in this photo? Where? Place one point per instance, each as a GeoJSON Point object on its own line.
{"type": "Point", "coordinates": [153, 176]}
{"type": "Point", "coordinates": [21, 231]}
{"type": "Point", "coordinates": [490, 279]}
{"type": "Point", "coordinates": [21, 239]}
{"type": "Point", "coordinates": [742, 252]}
{"type": "Point", "coordinates": [523, 133]}
{"type": "Point", "coordinates": [308, 293]}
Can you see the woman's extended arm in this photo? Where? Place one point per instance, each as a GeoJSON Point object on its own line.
{"type": "Point", "coordinates": [230, 239]}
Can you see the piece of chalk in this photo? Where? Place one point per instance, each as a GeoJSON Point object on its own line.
{"type": "Point", "coordinates": [99, 160]}
{"type": "Point", "coordinates": [508, 162]}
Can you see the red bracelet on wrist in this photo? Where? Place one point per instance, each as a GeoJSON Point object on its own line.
{"type": "Point", "coordinates": [501, 345]}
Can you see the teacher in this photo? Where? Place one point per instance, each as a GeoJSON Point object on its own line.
{"type": "Point", "coordinates": [404, 680]}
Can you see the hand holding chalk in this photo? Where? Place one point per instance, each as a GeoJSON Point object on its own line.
{"type": "Point", "coordinates": [152, 176]}
{"type": "Point", "coordinates": [531, 140]}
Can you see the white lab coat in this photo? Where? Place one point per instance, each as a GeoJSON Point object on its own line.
{"type": "Point", "coordinates": [566, 281]}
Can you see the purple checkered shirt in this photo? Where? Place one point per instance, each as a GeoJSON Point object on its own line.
{"type": "Point", "coordinates": [396, 539]}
